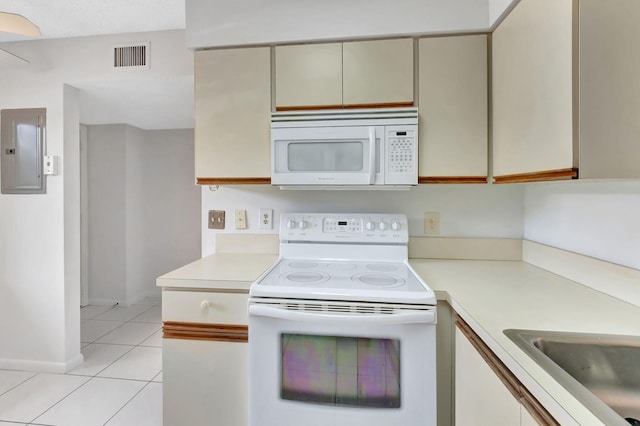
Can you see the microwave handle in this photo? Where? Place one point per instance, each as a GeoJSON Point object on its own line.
{"type": "Point", "coordinates": [372, 155]}
{"type": "Point", "coordinates": [413, 317]}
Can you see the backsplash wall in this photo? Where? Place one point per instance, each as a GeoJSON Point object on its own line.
{"type": "Point", "coordinates": [597, 219]}
{"type": "Point", "coordinates": [477, 211]}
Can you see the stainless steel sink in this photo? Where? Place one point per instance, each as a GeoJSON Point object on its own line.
{"type": "Point", "coordinates": [602, 371]}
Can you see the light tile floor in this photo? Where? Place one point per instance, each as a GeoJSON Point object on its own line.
{"type": "Point", "coordinates": [119, 384]}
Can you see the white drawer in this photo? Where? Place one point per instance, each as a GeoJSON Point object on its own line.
{"type": "Point", "coordinates": [204, 307]}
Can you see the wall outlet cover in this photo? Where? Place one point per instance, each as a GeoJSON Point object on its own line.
{"type": "Point", "coordinates": [432, 223]}
{"type": "Point", "coordinates": [266, 218]}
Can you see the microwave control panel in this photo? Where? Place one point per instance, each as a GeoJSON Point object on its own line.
{"type": "Point", "coordinates": [402, 153]}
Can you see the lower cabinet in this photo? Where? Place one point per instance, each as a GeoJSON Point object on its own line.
{"type": "Point", "coordinates": [204, 357]}
{"type": "Point", "coordinates": [486, 392]}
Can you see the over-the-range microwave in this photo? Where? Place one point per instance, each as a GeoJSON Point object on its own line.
{"type": "Point", "coordinates": [345, 149]}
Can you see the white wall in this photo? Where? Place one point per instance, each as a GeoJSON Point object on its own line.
{"type": "Point", "coordinates": [481, 211]}
{"type": "Point", "coordinates": [144, 210]}
{"type": "Point", "coordinates": [163, 207]}
{"type": "Point", "coordinates": [33, 304]}
{"type": "Point", "coordinates": [107, 220]}
{"type": "Point", "coordinates": [242, 22]}
{"type": "Point", "coordinates": [598, 219]}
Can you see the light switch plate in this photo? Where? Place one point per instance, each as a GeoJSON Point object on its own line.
{"type": "Point", "coordinates": [241, 219]}
{"type": "Point", "coordinates": [216, 219]}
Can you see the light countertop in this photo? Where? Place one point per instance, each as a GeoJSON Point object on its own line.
{"type": "Point", "coordinates": [490, 296]}
{"type": "Point", "coordinates": [220, 271]}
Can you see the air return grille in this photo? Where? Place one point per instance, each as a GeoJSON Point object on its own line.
{"type": "Point", "coordinates": [133, 55]}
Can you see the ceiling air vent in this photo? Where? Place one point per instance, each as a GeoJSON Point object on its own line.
{"type": "Point", "coordinates": [131, 56]}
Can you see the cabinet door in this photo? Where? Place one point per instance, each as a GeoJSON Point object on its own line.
{"type": "Point", "coordinates": [232, 110]}
{"type": "Point", "coordinates": [609, 89]}
{"type": "Point", "coordinates": [309, 75]}
{"type": "Point", "coordinates": [532, 77]}
{"type": "Point", "coordinates": [453, 108]}
{"type": "Point", "coordinates": [378, 72]}
{"type": "Point", "coordinates": [526, 419]}
{"type": "Point", "coordinates": [204, 383]}
{"type": "Point", "coordinates": [481, 399]}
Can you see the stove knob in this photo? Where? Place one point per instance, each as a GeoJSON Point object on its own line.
{"type": "Point", "coordinates": [291, 224]}
{"type": "Point", "coordinates": [370, 226]}
{"type": "Point", "coordinates": [382, 226]}
{"type": "Point", "coordinates": [395, 226]}
{"type": "Point", "coordinates": [302, 224]}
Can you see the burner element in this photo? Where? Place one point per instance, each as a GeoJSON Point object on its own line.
{"type": "Point", "coordinates": [307, 277]}
{"type": "Point", "coordinates": [379, 280]}
{"type": "Point", "coordinates": [302, 265]}
{"type": "Point", "coordinates": [381, 267]}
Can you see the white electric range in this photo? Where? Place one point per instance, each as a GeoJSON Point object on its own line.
{"type": "Point", "coordinates": [341, 328]}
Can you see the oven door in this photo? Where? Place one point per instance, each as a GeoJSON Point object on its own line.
{"type": "Point", "coordinates": [349, 155]}
{"type": "Point", "coordinates": [341, 369]}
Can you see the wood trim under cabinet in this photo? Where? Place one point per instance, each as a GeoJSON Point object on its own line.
{"type": "Point", "coordinates": [349, 106]}
{"type": "Point", "coordinates": [212, 332]}
{"type": "Point", "coordinates": [546, 175]}
{"type": "Point", "coordinates": [452, 179]}
{"type": "Point", "coordinates": [234, 181]}
{"type": "Point", "coordinates": [512, 383]}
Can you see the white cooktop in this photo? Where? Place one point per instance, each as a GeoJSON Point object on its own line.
{"type": "Point", "coordinates": [351, 257]}
{"type": "Point", "coordinates": [391, 282]}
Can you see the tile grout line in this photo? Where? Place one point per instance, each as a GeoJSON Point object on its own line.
{"type": "Point", "coordinates": [95, 376]}
{"type": "Point", "coordinates": [126, 403]}
{"type": "Point", "coordinates": [24, 381]}
{"type": "Point", "coordinates": [59, 401]}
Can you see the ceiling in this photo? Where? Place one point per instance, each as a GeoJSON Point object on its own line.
{"type": "Point", "coordinates": [77, 18]}
{"type": "Point", "coordinates": [115, 101]}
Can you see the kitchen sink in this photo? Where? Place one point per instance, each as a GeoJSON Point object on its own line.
{"type": "Point", "coordinates": [602, 371]}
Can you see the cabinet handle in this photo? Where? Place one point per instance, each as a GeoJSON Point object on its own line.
{"type": "Point", "coordinates": [205, 304]}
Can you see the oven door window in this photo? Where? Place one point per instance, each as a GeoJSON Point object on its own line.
{"type": "Point", "coordinates": [345, 371]}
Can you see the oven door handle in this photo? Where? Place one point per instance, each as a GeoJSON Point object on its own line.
{"type": "Point", "coordinates": [413, 317]}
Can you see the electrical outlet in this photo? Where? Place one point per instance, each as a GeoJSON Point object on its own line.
{"type": "Point", "coordinates": [266, 218]}
{"type": "Point", "coordinates": [432, 223]}
{"type": "Point", "coordinates": [241, 219]}
{"type": "Point", "coordinates": [216, 219]}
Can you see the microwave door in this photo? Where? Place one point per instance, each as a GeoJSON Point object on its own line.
{"type": "Point", "coordinates": [324, 156]}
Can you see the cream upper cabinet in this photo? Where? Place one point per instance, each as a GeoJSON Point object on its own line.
{"type": "Point", "coordinates": [609, 89]}
{"type": "Point", "coordinates": [232, 111]}
{"type": "Point", "coordinates": [453, 108]}
{"type": "Point", "coordinates": [378, 72]}
{"type": "Point", "coordinates": [309, 75]}
{"type": "Point", "coordinates": [566, 93]}
{"type": "Point", "coordinates": [532, 89]}
{"type": "Point", "coordinates": [351, 74]}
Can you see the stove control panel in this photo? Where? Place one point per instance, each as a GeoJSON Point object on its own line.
{"type": "Point", "coordinates": [353, 227]}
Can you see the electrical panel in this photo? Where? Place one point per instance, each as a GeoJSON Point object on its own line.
{"type": "Point", "coordinates": [22, 144]}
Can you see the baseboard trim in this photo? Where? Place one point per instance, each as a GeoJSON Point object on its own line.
{"type": "Point", "coordinates": [42, 366]}
{"type": "Point", "coordinates": [621, 282]}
